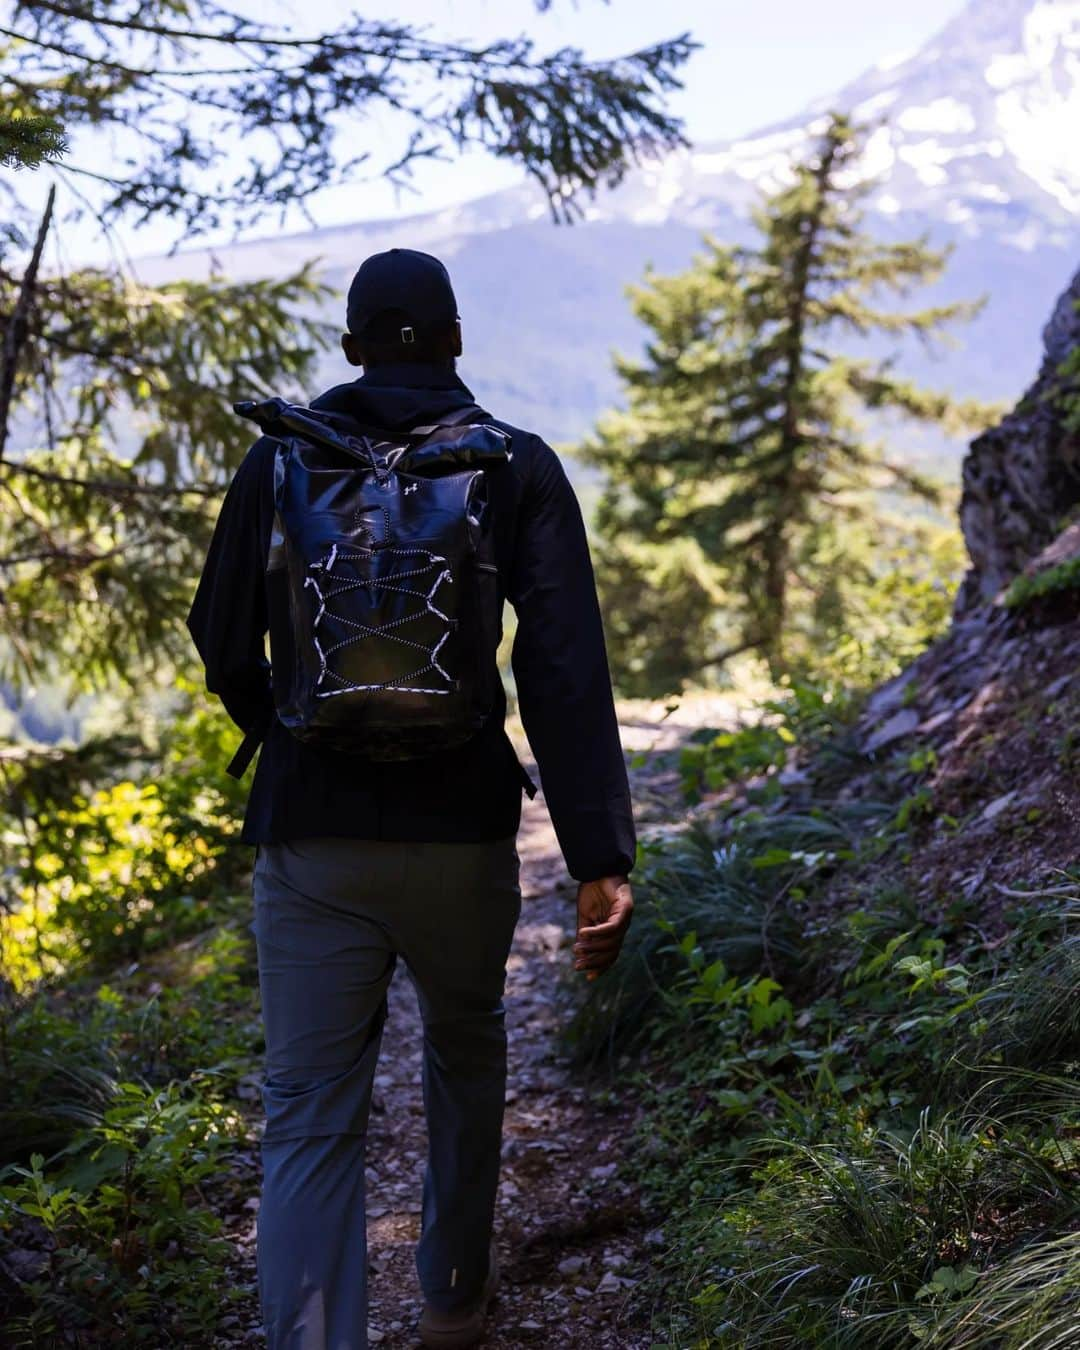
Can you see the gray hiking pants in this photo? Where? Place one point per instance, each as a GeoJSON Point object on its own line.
{"type": "Point", "coordinates": [331, 918]}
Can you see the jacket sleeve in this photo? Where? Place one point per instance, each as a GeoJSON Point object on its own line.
{"type": "Point", "coordinates": [561, 671]}
{"type": "Point", "coordinates": [228, 617]}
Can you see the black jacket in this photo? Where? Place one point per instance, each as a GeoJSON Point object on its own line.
{"type": "Point", "coordinates": [559, 664]}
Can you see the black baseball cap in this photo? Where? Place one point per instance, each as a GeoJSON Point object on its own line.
{"type": "Point", "coordinates": [409, 289]}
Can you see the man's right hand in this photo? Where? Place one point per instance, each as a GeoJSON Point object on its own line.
{"type": "Point", "coordinates": [605, 908]}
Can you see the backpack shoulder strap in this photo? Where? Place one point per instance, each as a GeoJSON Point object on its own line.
{"type": "Point", "coordinates": [459, 418]}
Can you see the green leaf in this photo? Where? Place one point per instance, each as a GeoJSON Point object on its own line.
{"type": "Point", "coordinates": [773, 857]}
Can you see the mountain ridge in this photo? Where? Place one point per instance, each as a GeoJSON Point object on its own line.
{"type": "Point", "coordinates": [971, 143]}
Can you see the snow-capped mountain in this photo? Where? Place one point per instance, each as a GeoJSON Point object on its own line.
{"type": "Point", "coordinates": [978, 129]}
{"type": "Point", "coordinates": [974, 137]}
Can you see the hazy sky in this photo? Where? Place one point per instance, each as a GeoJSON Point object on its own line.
{"type": "Point", "coordinates": [760, 61]}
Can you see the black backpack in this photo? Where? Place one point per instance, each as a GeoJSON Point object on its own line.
{"type": "Point", "coordinates": [385, 546]}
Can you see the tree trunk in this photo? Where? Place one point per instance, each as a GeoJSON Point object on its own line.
{"type": "Point", "coordinates": [15, 333]}
{"type": "Point", "coordinates": [773, 620]}
{"type": "Point", "coordinates": [778, 547]}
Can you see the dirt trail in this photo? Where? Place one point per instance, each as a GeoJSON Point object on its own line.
{"type": "Point", "coordinates": [572, 1241]}
{"type": "Point", "coordinates": [570, 1235]}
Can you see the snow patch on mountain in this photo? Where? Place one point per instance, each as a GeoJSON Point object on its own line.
{"type": "Point", "coordinates": [870, 109]}
{"type": "Point", "coordinates": [943, 114]}
{"type": "Point", "coordinates": [896, 59]}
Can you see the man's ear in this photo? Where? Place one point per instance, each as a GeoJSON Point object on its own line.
{"type": "Point", "coordinates": [351, 348]}
{"type": "Point", "coordinates": [456, 347]}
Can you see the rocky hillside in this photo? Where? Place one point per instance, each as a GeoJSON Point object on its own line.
{"type": "Point", "coordinates": [1022, 478]}
{"type": "Point", "coordinates": [994, 707]}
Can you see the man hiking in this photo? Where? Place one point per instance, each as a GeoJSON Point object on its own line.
{"type": "Point", "coordinates": [375, 537]}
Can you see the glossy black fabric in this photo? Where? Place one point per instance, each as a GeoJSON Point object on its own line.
{"type": "Point", "coordinates": [560, 669]}
{"type": "Point", "coordinates": [392, 617]}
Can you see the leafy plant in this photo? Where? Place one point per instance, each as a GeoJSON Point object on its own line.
{"type": "Point", "coordinates": [1030, 1300]}
{"type": "Point", "coordinates": [712, 889]}
{"type": "Point", "coordinates": [1026, 589]}
{"type": "Point", "coordinates": [119, 1125]}
{"type": "Point", "coordinates": [712, 760]}
{"type": "Point", "coordinates": [119, 846]}
{"type": "Point", "coordinates": [129, 1254]}
{"type": "Point", "coordinates": [871, 1141]}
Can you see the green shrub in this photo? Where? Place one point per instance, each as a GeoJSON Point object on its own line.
{"type": "Point", "coordinates": [810, 716]}
{"type": "Point", "coordinates": [806, 1213]}
{"type": "Point", "coordinates": [1024, 590]}
{"type": "Point", "coordinates": [710, 760]}
{"type": "Point", "coordinates": [118, 848]}
{"type": "Point", "coordinates": [738, 886]}
{"type": "Point", "coordinates": [130, 1258]}
{"type": "Point", "coordinates": [720, 894]}
{"type": "Point", "coordinates": [115, 1111]}
{"type": "Point", "coordinates": [868, 1134]}
{"type": "Point", "coordinates": [64, 1057]}
{"type": "Point", "coordinates": [1024, 1061]}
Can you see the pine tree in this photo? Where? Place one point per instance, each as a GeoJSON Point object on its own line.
{"type": "Point", "coordinates": [27, 140]}
{"type": "Point", "coordinates": [116, 437]}
{"type": "Point", "coordinates": [743, 455]}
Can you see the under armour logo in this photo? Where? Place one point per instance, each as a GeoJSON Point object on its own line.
{"type": "Point", "coordinates": [411, 488]}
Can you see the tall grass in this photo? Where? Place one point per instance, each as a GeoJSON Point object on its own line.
{"type": "Point", "coordinates": [734, 890]}
{"type": "Point", "coordinates": [846, 1246]}
{"type": "Point", "coordinates": [1035, 1013]}
{"type": "Point", "coordinates": [1030, 1301]}
{"type": "Point", "coordinates": [841, 1215]}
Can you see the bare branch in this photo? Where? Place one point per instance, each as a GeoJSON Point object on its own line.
{"type": "Point", "coordinates": [109, 487]}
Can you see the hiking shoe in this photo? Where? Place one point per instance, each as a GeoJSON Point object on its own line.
{"type": "Point", "coordinates": [456, 1330]}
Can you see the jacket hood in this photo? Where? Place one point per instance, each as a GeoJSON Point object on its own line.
{"type": "Point", "coordinates": [398, 397]}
